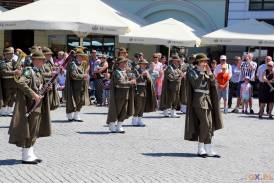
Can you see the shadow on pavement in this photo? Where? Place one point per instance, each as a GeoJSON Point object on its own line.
{"type": "Point", "coordinates": [96, 113]}
{"type": "Point", "coordinates": [249, 116]}
{"type": "Point", "coordinates": [4, 126]}
{"type": "Point", "coordinates": [61, 121]}
{"type": "Point", "coordinates": [94, 133]}
{"type": "Point", "coordinates": [154, 117]}
{"type": "Point", "coordinates": [132, 126]}
{"type": "Point", "coordinates": [6, 162]}
{"type": "Point", "coordinates": [187, 155]}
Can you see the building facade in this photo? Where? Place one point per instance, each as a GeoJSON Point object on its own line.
{"type": "Point", "coordinates": [238, 10]}
{"type": "Point", "coordinates": [207, 15]}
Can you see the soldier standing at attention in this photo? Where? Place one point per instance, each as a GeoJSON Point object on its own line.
{"type": "Point", "coordinates": [121, 100]}
{"type": "Point", "coordinates": [47, 72]}
{"type": "Point", "coordinates": [203, 116]}
{"type": "Point", "coordinates": [145, 98]}
{"type": "Point", "coordinates": [170, 97]}
{"type": "Point", "coordinates": [24, 130]}
{"type": "Point", "coordinates": [7, 72]}
{"type": "Point", "coordinates": [75, 87]}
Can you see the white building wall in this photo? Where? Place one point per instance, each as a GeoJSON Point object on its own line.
{"type": "Point", "coordinates": [238, 11]}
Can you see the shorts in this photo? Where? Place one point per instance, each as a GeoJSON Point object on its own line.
{"type": "Point", "coordinates": [245, 97]}
{"type": "Point", "coordinates": [223, 94]}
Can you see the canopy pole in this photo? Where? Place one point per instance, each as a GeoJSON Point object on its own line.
{"type": "Point", "coordinates": [81, 38]}
{"type": "Point", "coordinates": [169, 50]}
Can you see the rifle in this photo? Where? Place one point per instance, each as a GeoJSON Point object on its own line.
{"type": "Point", "coordinates": [46, 86]}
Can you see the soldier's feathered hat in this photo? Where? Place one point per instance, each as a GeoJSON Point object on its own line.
{"type": "Point", "coordinates": [38, 55]}
{"type": "Point", "coordinates": [143, 61]}
{"type": "Point", "coordinates": [201, 57]}
{"type": "Point", "coordinates": [80, 52]}
{"type": "Point", "coordinates": [9, 50]}
{"type": "Point", "coordinates": [47, 51]}
{"type": "Point", "coordinates": [175, 57]}
{"type": "Point", "coordinates": [33, 49]}
{"type": "Point", "coordinates": [120, 60]}
{"type": "Point", "coordinates": [121, 49]}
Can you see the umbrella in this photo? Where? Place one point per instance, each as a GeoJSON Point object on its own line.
{"type": "Point", "coordinates": [246, 33]}
{"type": "Point", "coordinates": [79, 16]}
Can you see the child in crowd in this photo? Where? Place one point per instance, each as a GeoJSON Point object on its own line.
{"type": "Point", "coordinates": [223, 86]}
{"type": "Point", "coordinates": [246, 93]}
{"type": "Point", "coordinates": [106, 89]}
{"type": "Point", "coordinates": [61, 79]}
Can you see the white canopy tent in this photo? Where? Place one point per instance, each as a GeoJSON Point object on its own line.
{"type": "Point", "coordinates": [79, 16]}
{"type": "Point", "coordinates": [169, 32]}
{"type": "Point", "coordinates": [246, 33]}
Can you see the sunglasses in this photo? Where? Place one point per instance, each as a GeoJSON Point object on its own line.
{"type": "Point", "coordinates": [155, 57]}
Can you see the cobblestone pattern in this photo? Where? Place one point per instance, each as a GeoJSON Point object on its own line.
{"type": "Point", "coordinates": [86, 152]}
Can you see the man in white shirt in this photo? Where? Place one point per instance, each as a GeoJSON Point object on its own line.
{"type": "Point", "coordinates": [262, 68]}
{"type": "Point", "coordinates": [234, 83]}
{"type": "Point", "coordinates": [218, 69]}
{"type": "Point", "coordinates": [248, 69]}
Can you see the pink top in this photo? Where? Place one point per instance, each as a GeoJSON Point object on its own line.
{"type": "Point", "coordinates": [158, 67]}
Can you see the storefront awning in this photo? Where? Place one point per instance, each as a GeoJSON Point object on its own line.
{"type": "Point", "coordinates": [169, 32]}
{"type": "Point", "coordinates": [91, 16]}
{"type": "Point", "coordinates": [246, 33]}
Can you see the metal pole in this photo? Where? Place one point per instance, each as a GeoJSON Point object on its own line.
{"type": "Point", "coordinates": [81, 38]}
{"type": "Point", "coordinates": [169, 50]}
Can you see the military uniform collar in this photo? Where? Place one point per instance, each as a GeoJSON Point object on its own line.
{"type": "Point", "coordinates": [174, 66]}
{"type": "Point", "coordinates": [36, 70]}
{"type": "Point", "coordinates": [121, 69]}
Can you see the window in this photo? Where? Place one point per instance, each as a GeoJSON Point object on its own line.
{"type": "Point", "coordinates": [57, 42]}
{"type": "Point", "coordinates": [261, 5]}
{"type": "Point", "coordinates": [102, 44]}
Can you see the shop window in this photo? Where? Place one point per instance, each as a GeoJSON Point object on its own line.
{"type": "Point", "coordinates": [102, 44]}
{"type": "Point", "coordinates": [57, 42]}
{"type": "Point", "coordinates": [261, 5]}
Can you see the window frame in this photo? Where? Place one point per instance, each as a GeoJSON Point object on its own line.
{"type": "Point", "coordinates": [262, 3]}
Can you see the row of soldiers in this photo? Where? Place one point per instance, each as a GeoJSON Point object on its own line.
{"type": "Point", "coordinates": [192, 84]}
{"type": "Point", "coordinates": [132, 94]}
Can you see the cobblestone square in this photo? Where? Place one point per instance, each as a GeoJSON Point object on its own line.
{"type": "Point", "coordinates": [87, 152]}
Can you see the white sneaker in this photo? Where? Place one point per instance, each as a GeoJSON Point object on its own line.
{"type": "Point", "coordinates": [183, 108]}
{"type": "Point", "coordinates": [166, 113]}
{"type": "Point", "coordinates": [70, 116]}
{"type": "Point", "coordinates": [28, 157]}
{"type": "Point", "coordinates": [134, 121]}
{"type": "Point", "coordinates": [33, 154]}
{"type": "Point", "coordinates": [210, 151]}
{"type": "Point", "coordinates": [77, 117]}
{"type": "Point", "coordinates": [140, 123]}
{"type": "Point", "coordinates": [174, 114]}
{"type": "Point", "coordinates": [201, 150]}
{"type": "Point", "coordinates": [119, 128]}
{"type": "Point", "coordinates": [5, 111]}
{"type": "Point", "coordinates": [112, 127]}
